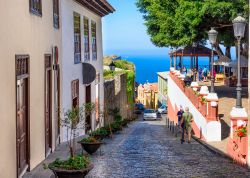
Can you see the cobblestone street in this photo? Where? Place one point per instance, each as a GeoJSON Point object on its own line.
{"type": "Point", "coordinates": [146, 149]}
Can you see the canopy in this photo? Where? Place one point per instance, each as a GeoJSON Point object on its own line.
{"type": "Point", "coordinates": [243, 62]}
{"type": "Point", "coordinates": [193, 51]}
{"type": "Point", "coordinates": [223, 60]}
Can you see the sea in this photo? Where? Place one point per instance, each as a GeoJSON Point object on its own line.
{"type": "Point", "coordinates": [148, 65]}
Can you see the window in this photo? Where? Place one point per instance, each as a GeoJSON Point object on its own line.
{"type": "Point", "coordinates": [94, 45]}
{"type": "Point", "coordinates": [56, 13]}
{"type": "Point", "coordinates": [75, 93]}
{"type": "Point", "coordinates": [86, 38]}
{"type": "Point", "coordinates": [77, 39]}
{"type": "Point", "coordinates": [97, 98]}
{"type": "Point", "coordinates": [36, 7]}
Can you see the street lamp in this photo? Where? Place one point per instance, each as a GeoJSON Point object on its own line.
{"type": "Point", "coordinates": [212, 36]}
{"type": "Point", "coordinates": [194, 45]}
{"type": "Point", "coordinates": [171, 55]}
{"type": "Point", "coordinates": [239, 24]}
{"type": "Point", "coordinates": [112, 66]}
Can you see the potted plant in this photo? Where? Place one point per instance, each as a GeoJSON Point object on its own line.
{"type": "Point", "coordinates": [125, 122]}
{"type": "Point", "coordinates": [90, 144]}
{"type": "Point", "coordinates": [241, 131]}
{"type": "Point", "coordinates": [75, 166]}
{"type": "Point", "coordinates": [116, 126]}
{"type": "Point", "coordinates": [100, 133]}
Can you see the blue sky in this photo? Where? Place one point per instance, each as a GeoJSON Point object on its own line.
{"type": "Point", "coordinates": [124, 30]}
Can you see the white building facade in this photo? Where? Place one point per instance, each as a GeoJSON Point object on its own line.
{"type": "Point", "coordinates": [162, 88]}
{"type": "Point", "coordinates": [30, 45]}
{"type": "Point", "coordinates": [39, 75]}
{"type": "Point", "coordinates": [82, 43]}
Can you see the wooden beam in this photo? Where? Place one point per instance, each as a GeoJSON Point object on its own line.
{"type": "Point", "coordinates": [99, 8]}
{"type": "Point", "coordinates": [94, 4]}
{"type": "Point", "coordinates": [90, 7]}
{"type": "Point", "coordinates": [106, 5]}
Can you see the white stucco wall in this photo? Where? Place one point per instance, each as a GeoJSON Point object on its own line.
{"type": "Point", "coordinates": [24, 33]}
{"type": "Point", "coordinates": [210, 130]}
{"type": "Point", "coordinates": [74, 71]}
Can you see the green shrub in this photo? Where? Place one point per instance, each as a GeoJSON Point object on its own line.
{"type": "Point", "coordinates": [116, 126]}
{"type": "Point", "coordinates": [118, 118]}
{"type": "Point", "coordinates": [125, 122]}
{"type": "Point", "coordinates": [89, 140]}
{"type": "Point", "coordinates": [123, 64]}
{"type": "Point", "coordinates": [99, 132]}
{"type": "Point", "coordinates": [73, 163]}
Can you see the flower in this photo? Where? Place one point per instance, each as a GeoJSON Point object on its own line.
{"type": "Point", "coordinates": [241, 131]}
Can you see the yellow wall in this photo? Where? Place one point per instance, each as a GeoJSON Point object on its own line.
{"type": "Point", "coordinates": [23, 33]}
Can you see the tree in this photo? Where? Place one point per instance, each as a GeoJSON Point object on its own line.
{"type": "Point", "coordinates": [74, 119]}
{"type": "Point", "coordinates": [182, 22]}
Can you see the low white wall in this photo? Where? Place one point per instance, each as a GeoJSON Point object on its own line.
{"type": "Point", "coordinates": [210, 130]}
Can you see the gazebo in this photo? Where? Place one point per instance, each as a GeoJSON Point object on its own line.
{"type": "Point", "coordinates": [194, 52]}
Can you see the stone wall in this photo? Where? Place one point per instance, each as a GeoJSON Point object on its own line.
{"type": "Point", "coordinates": [115, 96]}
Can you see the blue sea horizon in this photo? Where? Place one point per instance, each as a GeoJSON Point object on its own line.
{"type": "Point", "coordinates": [148, 65]}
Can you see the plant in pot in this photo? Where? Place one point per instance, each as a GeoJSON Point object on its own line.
{"type": "Point", "coordinates": [90, 144]}
{"type": "Point", "coordinates": [125, 122]}
{"type": "Point", "coordinates": [76, 166]}
{"type": "Point", "coordinates": [100, 133]}
{"type": "Point", "coordinates": [116, 126]}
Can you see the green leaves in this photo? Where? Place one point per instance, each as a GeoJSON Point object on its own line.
{"type": "Point", "coordinates": [73, 163]}
{"type": "Point", "coordinates": [182, 22]}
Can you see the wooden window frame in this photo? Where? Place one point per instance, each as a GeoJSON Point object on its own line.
{"type": "Point", "coordinates": [56, 14]}
{"type": "Point", "coordinates": [86, 34]}
{"type": "Point", "coordinates": [38, 11]}
{"type": "Point", "coordinates": [77, 39]}
{"type": "Point", "coordinates": [75, 91]}
{"type": "Point", "coordinates": [94, 39]}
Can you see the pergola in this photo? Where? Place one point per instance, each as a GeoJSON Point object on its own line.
{"type": "Point", "coordinates": [193, 52]}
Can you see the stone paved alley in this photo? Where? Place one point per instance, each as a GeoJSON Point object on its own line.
{"type": "Point", "coordinates": [146, 149]}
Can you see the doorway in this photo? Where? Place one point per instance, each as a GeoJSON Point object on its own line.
{"type": "Point", "coordinates": [48, 104]}
{"type": "Point", "coordinates": [88, 100]}
{"type": "Point", "coordinates": [22, 113]}
{"type": "Point", "coordinates": [57, 103]}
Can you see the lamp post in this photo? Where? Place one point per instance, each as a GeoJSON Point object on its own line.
{"type": "Point", "coordinates": [212, 36]}
{"type": "Point", "coordinates": [112, 66]}
{"type": "Point", "coordinates": [194, 45]}
{"type": "Point", "coordinates": [171, 59]}
{"type": "Point", "coordinates": [175, 58]}
{"type": "Point", "coordinates": [239, 24]}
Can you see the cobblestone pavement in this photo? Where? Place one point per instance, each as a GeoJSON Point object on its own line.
{"type": "Point", "coordinates": [146, 149]}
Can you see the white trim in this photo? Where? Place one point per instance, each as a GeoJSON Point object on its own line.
{"type": "Point", "coordinates": [238, 112]}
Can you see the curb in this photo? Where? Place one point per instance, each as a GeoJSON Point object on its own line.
{"type": "Point", "coordinates": [212, 149]}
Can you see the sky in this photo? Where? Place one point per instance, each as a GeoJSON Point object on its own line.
{"type": "Point", "coordinates": [124, 30]}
